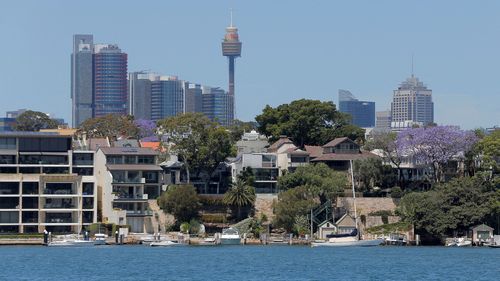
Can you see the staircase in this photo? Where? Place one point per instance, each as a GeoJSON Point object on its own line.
{"type": "Point", "coordinates": [159, 218]}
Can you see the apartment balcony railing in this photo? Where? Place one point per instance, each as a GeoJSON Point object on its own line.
{"type": "Point", "coordinates": [59, 220]}
{"type": "Point", "coordinates": [118, 196]}
{"type": "Point", "coordinates": [139, 213]}
{"type": "Point", "coordinates": [60, 206]}
{"type": "Point", "coordinates": [130, 180]}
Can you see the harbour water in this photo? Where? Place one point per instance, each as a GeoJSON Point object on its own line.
{"type": "Point", "coordinates": [248, 263]}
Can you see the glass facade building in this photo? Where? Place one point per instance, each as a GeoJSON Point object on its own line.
{"type": "Point", "coordinates": [110, 80]}
{"type": "Point", "coordinates": [218, 105]}
{"type": "Point", "coordinates": [362, 112]}
{"type": "Point", "coordinates": [167, 97]}
{"type": "Point", "coordinates": [412, 104]}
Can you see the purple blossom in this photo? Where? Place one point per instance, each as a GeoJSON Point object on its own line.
{"type": "Point", "coordinates": [147, 129]}
{"type": "Point", "coordinates": [437, 144]}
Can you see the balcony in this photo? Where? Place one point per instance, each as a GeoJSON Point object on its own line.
{"type": "Point", "coordinates": [144, 213]}
{"type": "Point", "coordinates": [124, 196]}
{"type": "Point", "coordinates": [129, 180]}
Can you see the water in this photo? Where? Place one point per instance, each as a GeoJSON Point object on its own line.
{"type": "Point", "coordinates": [248, 263]}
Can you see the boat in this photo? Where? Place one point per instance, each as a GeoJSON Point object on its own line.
{"type": "Point", "coordinates": [209, 241]}
{"type": "Point", "coordinates": [164, 243]}
{"type": "Point", "coordinates": [100, 239]}
{"type": "Point", "coordinates": [230, 236]}
{"type": "Point", "coordinates": [71, 243]}
{"type": "Point", "coordinates": [348, 239]}
{"type": "Point", "coordinates": [459, 242]}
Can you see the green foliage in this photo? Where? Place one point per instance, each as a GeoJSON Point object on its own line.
{"type": "Point", "coordinates": [199, 142]}
{"type": "Point", "coordinates": [247, 176]}
{"type": "Point", "coordinates": [310, 122]}
{"type": "Point", "coordinates": [301, 225]}
{"type": "Point", "coordinates": [239, 196]}
{"type": "Point", "coordinates": [181, 201]}
{"type": "Point", "coordinates": [194, 226]}
{"type": "Point", "coordinates": [456, 205]}
{"type": "Point", "coordinates": [184, 228]}
{"type": "Point", "coordinates": [238, 128]}
{"type": "Point", "coordinates": [292, 203]}
{"type": "Point", "coordinates": [318, 179]}
{"type": "Point", "coordinates": [370, 172]}
{"type": "Point", "coordinates": [386, 229]}
{"type": "Point", "coordinates": [111, 126]}
{"type": "Point", "coordinates": [214, 218]}
{"type": "Point", "coordinates": [34, 121]}
{"type": "Point", "coordinates": [490, 148]}
{"type": "Point", "coordinates": [396, 192]}
{"type": "Point", "coordinates": [381, 213]}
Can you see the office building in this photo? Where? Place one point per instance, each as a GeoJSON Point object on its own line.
{"type": "Point", "coordinates": [98, 79]}
{"type": "Point", "coordinates": [383, 119]}
{"type": "Point", "coordinates": [7, 124]}
{"type": "Point", "coordinates": [82, 76]}
{"type": "Point", "coordinates": [110, 80]}
{"type": "Point", "coordinates": [362, 113]}
{"type": "Point", "coordinates": [45, 184]}
{"type": "Point", "coordinates": [193, 101]}
{"type": "Point", "coordinates": [411, 105]}
{"type": "Point", "coordinates": [139, 94]}
{"type": "Point", "coordinates": [218, 105]}
{"type": "Point", "coordinates": [167, 97]}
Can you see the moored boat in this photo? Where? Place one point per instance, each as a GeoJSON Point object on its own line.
{"type": "Point", "coordinates": [164, 243]}
{"type": "Point", "coordinates": [230, 236]}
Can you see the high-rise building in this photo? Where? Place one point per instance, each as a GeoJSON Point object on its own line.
{"type": "Point", "coordinates": [167, 97]}
{"type": "Point", "coordinates": [231, 48]}
{"type": "Point", "coordinates": [98, 79]}
{"type": "Point", "coordinates": [412, 104]}
{"type": "Point", "coordinates": [218, 105]}
{"type": "Point", "coordinates": [383, 120]}
{"type": "Point", "coordinates": [110, 80]}
{"type": "Point", "coordinates": [362, 112]}
{"type": "Point", "coordinates": [82, 78]}
{"type": "Point", "coordinates": [193, 101]}
{"type": "Point", "coordinates": [139, 94]}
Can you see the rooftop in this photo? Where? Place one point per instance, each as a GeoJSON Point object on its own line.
{"type": "Point", "coordinates": [128, 151]}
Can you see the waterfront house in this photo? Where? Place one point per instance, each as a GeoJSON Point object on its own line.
{"type": "Point", "coordinates": [338, 153]}
{"type": "Point", "coordinates": [325, 228]}
{"type": "Point", "coordinates": [127, 178]}
{"type": "Point", "coordinates": [481, 234]}
{"type": "Point", "coordinates": [45, 184]}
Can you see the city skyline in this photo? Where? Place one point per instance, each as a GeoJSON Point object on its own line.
{"type": "Point", "coordinates": [357, 51]}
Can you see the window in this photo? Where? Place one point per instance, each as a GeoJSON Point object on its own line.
{"type": "Point", "coordinates": [56, 170]}
{"type": "Point", "coordinates": [146, 159]}
{"type": "Point", "coordinates": [30, 188]}
{"type": "Point", "coordinates": [88, 188]}
{"type": "Point", "coordinates": [9, 188]}
{"type": "Point", "coordinates": [130, 160]}
{"type": "Point", "coordinates": [83, 171]}
{"type": "Point", "coordinates": [29, 170]}
{"type": "Point", "coordinates": [54, 159]}
{"type": "Point", "coordinates": [30, 202]}
{"type": "Point", "coordinates": [7, 159]}
{"type": "Point", "coordinates": [8, 143]}
{"type": "Point", "coordinates": [30, 159]}
{"type": "Point", "coordinates": [9, 202]}
{"type": "Point", "coordinates": [151, 177]}
{"type": "Point", "coordinates": [83, 159]}
{"type": "Point", "coordinates": [114, 159]}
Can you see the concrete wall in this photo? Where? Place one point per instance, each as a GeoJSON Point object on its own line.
{"type": "Point", "coordinates": [366, 205]}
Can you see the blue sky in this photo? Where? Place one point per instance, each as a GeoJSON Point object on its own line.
{"type": "Point", "coordinates": [291, 50]}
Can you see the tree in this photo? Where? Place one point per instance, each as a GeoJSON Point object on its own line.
{"type": "Point", "coordinates": [371, 172]}
{"type": "Point", "coordinates": [320, 181]}
{"type": "Point", "coordinates": [489, 147]}
{"type": "Point", "coordinates": [449, 207]}
{"type": "Point", "coordinates": [436, 145]}
{"type": "Point", "coordinates": [239, 196]}
{"type": "Point", "coordinates": [247, 176]}
{"type": "Point", "coordinates": [200, 143]}
{"type": "Point", "coordinates": [181, 201]}
{"type": "Point", "coordinates": [147, 129]}
{"type": "Point", "coordinates": [293, 203]}
{"type": "Point", "coordinates": [111, 126]}
{"type": "Point", "coordinates": [34, 121]}
{"type": "Point", "coordinates": [386, 142]}
{"type": "Point", "coordinates": [310, 122]}
{"type": "Point", "coordinates": [239, 127]}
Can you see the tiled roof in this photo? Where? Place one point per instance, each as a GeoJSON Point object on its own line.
{"type": "Point", "coordinates": [296, 151]}
{"type": "Point", "coordinates": [95, 144]}
{"type": "Point", "coordinates": [344, 156]}
{"type": "Point", "coordinates": [128, 151]}
{"type": "Point", "coordinates": [277, 144]}
{"type": "Point", "coordinates": [314, 151]}
{"type": "Point", "coordinates": [153, 145]}
{"type": "Point", "coordinates": [336, 141]}
{"type": "Point", "coordinates": [126, 143]}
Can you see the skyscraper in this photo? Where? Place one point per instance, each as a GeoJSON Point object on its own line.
{"type": "Point", "coordinates": [218, 105]}
{"type": "Point", "coordinates": [110, 80]}
{"type": "Point", "coordinates": [362, 112]}
{"type": "Point", "coordinates": [82, 78]}
{"type": "Point", "coordinates": [412, 104]}
{"type": "Point", "coordinates": [139, 94]}
{"type": "Point", "coordinates": [192, 98]}
{"type": "Point", "coordinates": [383, 120]}
{"type": "Point", "coordinates": [98, 79]}
{"type": "Point", "coordinates": [167, 97]}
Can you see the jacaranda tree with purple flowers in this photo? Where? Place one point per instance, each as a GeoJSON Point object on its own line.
{"type": "Point", "coordinates": [147, 129]}
{"type": "Point", "coordinates": [436, 146]}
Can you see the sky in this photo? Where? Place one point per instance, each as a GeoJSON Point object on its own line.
{"type": "Point", "coordinates": [291, 50]}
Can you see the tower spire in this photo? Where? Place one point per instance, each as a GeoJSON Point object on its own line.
{"type": "Point", "coordinates": [412, 66]}
{"type": "Point", "coordinates": [231, 14]}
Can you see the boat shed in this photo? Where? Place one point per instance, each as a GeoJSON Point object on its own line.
{"type": "Point", "coordinates": [326, 228]}
{"type": "Point", "coordinates": [346, 224]}
{"type": "Point", "coordinates": [481, 234]}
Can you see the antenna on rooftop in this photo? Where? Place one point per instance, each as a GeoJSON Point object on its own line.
{"type": "Point", "coordinates": [231, 13]}
{"type": "Point", "coordinates": [412, 65]}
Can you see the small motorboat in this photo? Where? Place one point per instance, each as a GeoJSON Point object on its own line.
{"type": "Point", "coordinates": [230, 236]}
{"type": "Point", "coordinates": [164, 243]}
{"type": "Point", "coordinates": [100, 239]}
{"type": "Point", "coordinates": [71, 243]}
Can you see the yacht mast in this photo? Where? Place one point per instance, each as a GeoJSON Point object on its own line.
{"type": "Point", "coordinates": [354, 196]}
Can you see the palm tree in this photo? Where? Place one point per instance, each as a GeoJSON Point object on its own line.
{"type": "Point", "coordinates": [240, 195]}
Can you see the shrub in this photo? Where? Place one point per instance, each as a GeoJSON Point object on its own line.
{"type": "Point", "coordinates": [396, 192]}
